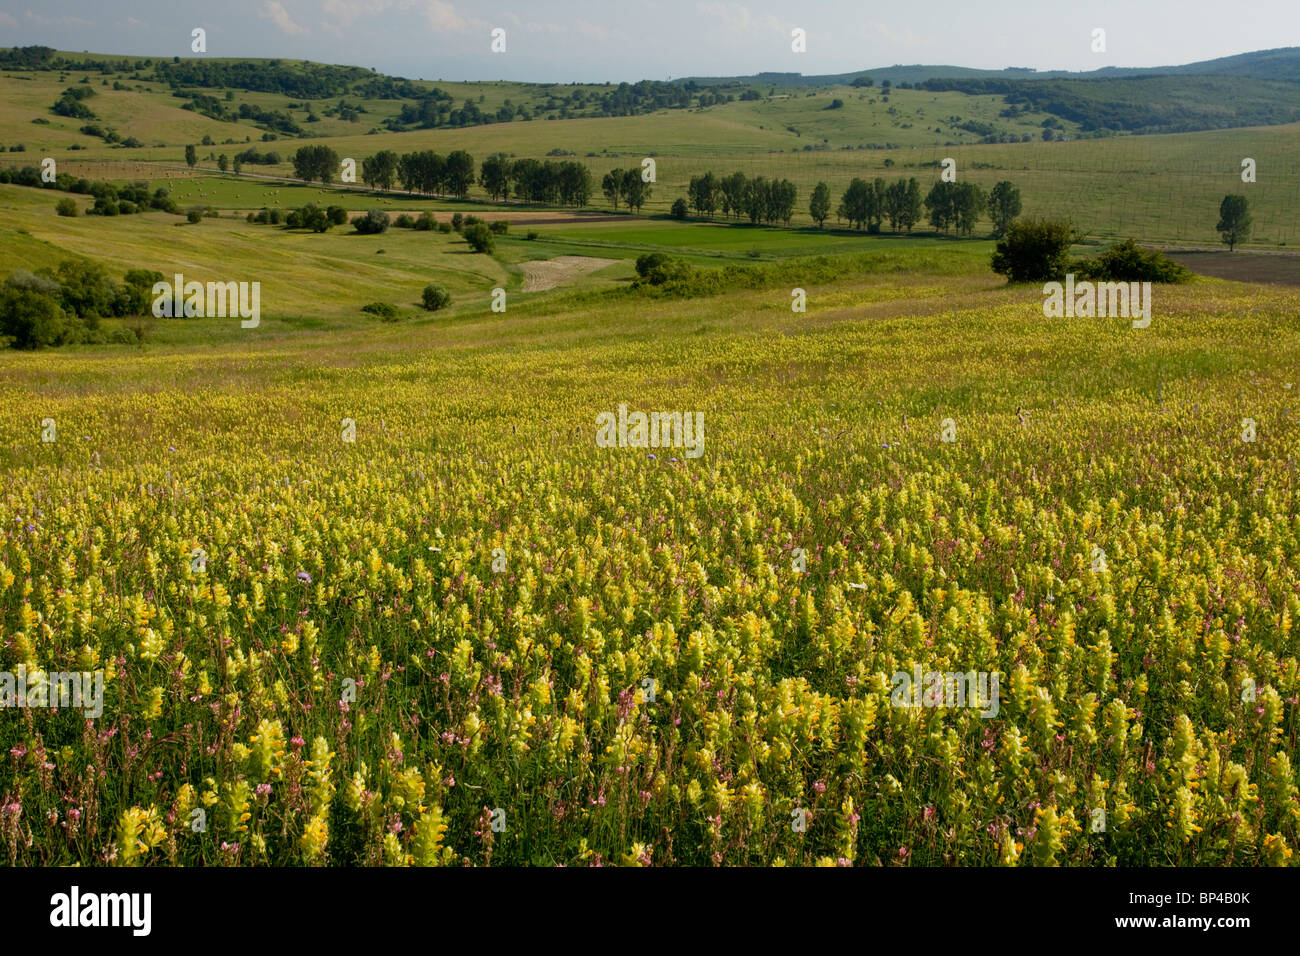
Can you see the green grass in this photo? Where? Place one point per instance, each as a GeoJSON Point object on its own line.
{"type": "Point", "coordinates": [1157, 188]}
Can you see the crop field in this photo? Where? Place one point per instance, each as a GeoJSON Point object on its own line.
{"type": "Point", "coordinates": [916, 577]}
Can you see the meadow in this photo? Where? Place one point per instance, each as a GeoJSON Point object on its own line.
{"type": "Point", "coordinates": [504, 597]}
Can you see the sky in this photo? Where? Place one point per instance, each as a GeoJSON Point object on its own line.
{"type": "Point", "coordinates": [596, 41]}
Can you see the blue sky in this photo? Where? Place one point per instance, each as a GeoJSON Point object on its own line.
{"type": "Point", "coordinates": [613, 40]}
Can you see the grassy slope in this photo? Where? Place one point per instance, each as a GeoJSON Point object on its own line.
{"type": "Point", "coordinates": [1161, 188]}
{"type": "Point", "coordinates": [475, 433]}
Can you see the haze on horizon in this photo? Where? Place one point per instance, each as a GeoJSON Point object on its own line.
{"type": "Point", "coordinates": [585, 41]}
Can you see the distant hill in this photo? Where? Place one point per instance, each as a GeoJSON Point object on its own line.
{"type": "Point", "coordinates": [1280, 64]}
{"type": "Point", "coordinates": [297, 98]}
{"type": "Point", "coordinates": [1249, 89]}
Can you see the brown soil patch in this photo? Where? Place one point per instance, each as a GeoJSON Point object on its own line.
{"type": "Point", "coordinates": [541, 274]}
{"type": "Point", "coordinates": [522, 217]}
{"type": "Point", "coordinates": [1275, 268]}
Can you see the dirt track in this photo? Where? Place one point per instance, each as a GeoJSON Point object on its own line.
{"type": "Point", "coordinates": [542, 274]}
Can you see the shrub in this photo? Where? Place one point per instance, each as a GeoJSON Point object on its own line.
{"type": "Point", "coordinates": [435, 297]}
{"type": "Point", "coordinates": [161, 199]}
{"type": "Point", "coordinates": [372, 223]}
{"type": "Point", "coordinates": [426, 222]}
{"type": "Point", "coordinates": [1128, 262]}
{"type": "Point", "coordinates": [337, 215]}
{"type": "Point", "coordinates": [194, 215]}
{"type": "Point", "coordinates": [67, 207]}
{"type": "Point", "coordinates": [479, 238]}
{"type": "Point", "coordinates": [500, 227]}
{"type": "Point", "coordinates": [313, 217]}
{"type": "Point", "coordinates": [655, 268]}
{"type": "Point", "coordinates": [32, 319]}
{"type": "Point", "coordinates": [385, 310]}
{"type": "Point", "coordinates": [532, 234]}
{"type": "Point", "coordinates": [122, 337]}
{"type": "Point", "coordinates": [647, 263]}
{"type": "Point", "coordinates": [444, 227]}
{"type": "Point", "coordinates": [135, 295]}
{"type": "Point", "coordinates": [679, 209]}
{"type": "Point", "coordinates": [1034, 250]}
{"type": "Point", "coordinates": [44, 284]}
{"type": "Point", "coordinates": [404, 222]}
{"type": "Point", "coordinates": [277, 217]}
{"type": "Point", "coordinates": [457, 221]}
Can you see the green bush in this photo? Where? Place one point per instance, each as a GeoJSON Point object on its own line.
{"type": "Point", "coordinates": [444, 227]}
{"type": "Point", "coordinates": [436, 297]}
{"type": "Point", "coordinates": [426, 222]}
{"type": "Point", "coordinates": [479, 238]}
{"type": "Point", "coordinates": [67, 207]}
{"type": "Point", "coordinates": [385, 310]}
{"type": "Point", "coordinates": [657, 269]}
{"type": "Point", "coordinates": [532, 234]}
{"type": "Point", "coordinates": [679, 210]}
{"type": "Point", "coordinates": [337, 215]}
{"type": "Point", "coordinates": [314, 218]}
{"type": "Point", "coordinates": [404, 222]}
{"type": "Point", "coordinates": [1034, 250]}
{"type": "Point", "coordinates": [372, 223]}
{"type": "Point", "coordinates": [500, 227]}
{"type": "Point", "coordinates": [194, 215]}
{"type": "Point", "coordinates": [33, 320]}
{"type": "Point", "coordinates": [1128, 262]}
{"type": "Point", "coordinates": [457, 221]}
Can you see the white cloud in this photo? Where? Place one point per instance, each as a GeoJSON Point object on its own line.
{"type": "Point", "coordinates": [903, 39]}
{"type": "Point", "coordinates": [343, 13]}
{"type": "Point", "coordinates": [596, 31]}
{"type": "Point", "coordinates": [443, 18]}
{"type": "Point", "coordinates": [58, 21]}
{"type": "Point", "coordinates": [6, 20]}
{"type": "Point", "coordinates": [736, 18]}
{"type": "Point", "coordinates": [277, 14]}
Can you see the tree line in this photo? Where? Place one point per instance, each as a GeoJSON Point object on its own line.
{"type": "Point", "coordinates": [949, 206]}
{"type": "Point", "coordinates": [63, 306]}
{"type": "Point", "coordinates": [757, 198]}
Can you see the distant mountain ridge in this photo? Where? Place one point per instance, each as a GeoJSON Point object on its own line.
{"type": "Point", "coordinates": [1282, 63]}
